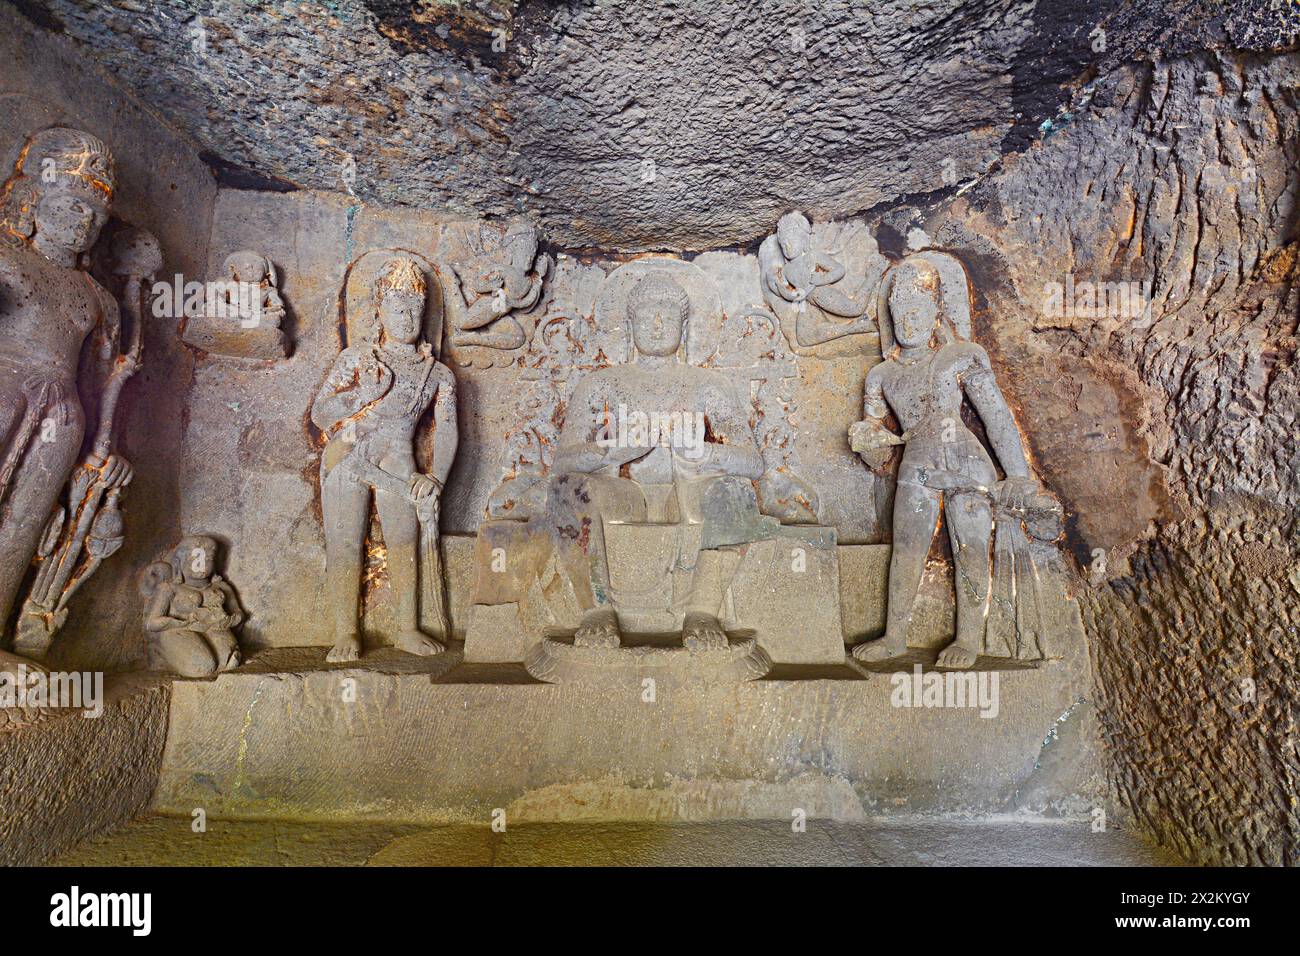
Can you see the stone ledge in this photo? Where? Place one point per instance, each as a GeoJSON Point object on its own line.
{"type": "Point", "coordinates": [453, 743]}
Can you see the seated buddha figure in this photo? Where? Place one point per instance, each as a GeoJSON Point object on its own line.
{"type": "Point", "coordinates": [604, 471]}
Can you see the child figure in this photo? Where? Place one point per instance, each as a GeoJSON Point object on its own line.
{"type": "Point", "coordinates": [188, 610]}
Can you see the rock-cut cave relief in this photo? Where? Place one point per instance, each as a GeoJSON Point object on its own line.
{"type": "Point", "coordinates": [947, 478]}
{"type": "Point", "coordinates": [656, 468]}
{"type": "Point", "coordinates": [420, 416]}
{"type": "Point", "coordinates": [370, 409]}
{"type": "Point", "coordinates": [60, 479]}
{"type": "Point", "coordinates": [242, 313]}
{"type": "Point", "coordinates": [191, 612]}
{"type": "Point", "coordinates": [494, 280]}
{"type": "Point", "coordinates": [821, 280]}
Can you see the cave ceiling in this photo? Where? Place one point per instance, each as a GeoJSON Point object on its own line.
{"type": "Point", "coordinates": [626, 124]}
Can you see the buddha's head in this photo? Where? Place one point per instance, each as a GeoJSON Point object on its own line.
{"type": "Point", "coordinates": [400, 296]}
{"type": "Point", "coordinates": [658, 309]}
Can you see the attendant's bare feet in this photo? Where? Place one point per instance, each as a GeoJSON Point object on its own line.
{"type": "Point", "coordinates": [418, 643]}
{"type": "Point", "coordinates": [878, 651]}
{"type": "Point", "coordinates": [702, 632]}
{"type": "Point", "coordinates": [956, 657]}
{"type": "Point", "coordinates": [599, 628]}
{"type": "Point", "coordinates": [347, 648]}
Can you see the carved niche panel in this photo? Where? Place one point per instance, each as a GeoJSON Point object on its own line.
{"type": "Point", "coordinates": [493, 279]}
{"type": "Point", "coordinates": [821, 281]}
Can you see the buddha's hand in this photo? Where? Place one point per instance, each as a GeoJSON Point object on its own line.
{"type": "Point", "coordinates": [128, 363]}
{"type": "Point", "coordinates": [1013, 492]}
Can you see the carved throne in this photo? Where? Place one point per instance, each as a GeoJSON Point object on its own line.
{"type": "Point", "coordinates": [784, 592]}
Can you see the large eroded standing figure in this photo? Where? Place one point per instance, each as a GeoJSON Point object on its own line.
{"type": "Point", "coordinates": [944, 466]}
{"type": "Point", "coordinates": [51, 212]}
{"type": "Point", "coordinates": [369, 408]}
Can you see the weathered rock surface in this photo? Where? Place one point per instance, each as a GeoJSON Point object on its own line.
{"type": "Point", "coordinates": [161, 841]}
{"type": "Point", "coordinates": [1171, 434]}
{"type": "Point", "coordinates": [66, 778]}
{"type": "Point", "coordinates": [632, 124]}
{"type": "Point", "coordinates": [295, 739]}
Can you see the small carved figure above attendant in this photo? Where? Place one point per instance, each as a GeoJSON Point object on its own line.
{"type": "Point", "coordinates": [192, 612]}
{"type": "Point", "coordinates": [242, 312]}
{"type": "Point", "coordinates": [495, 286]}
{"type": "Point", "coordinates": [821, 281]}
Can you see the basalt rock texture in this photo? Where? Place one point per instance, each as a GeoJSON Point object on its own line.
{"type": "Point", "coordinates": [70, 777]}
{"type": "Point", "coordinates": [1154, 143]}
{"type": "Point", "coordinates": [1182, 174]}
{"type": "Point", "coordinates": [1196, 654]}
{"type": "Point", "coordinates": [633, 124]}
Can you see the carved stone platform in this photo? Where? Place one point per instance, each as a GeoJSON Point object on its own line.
{"type": "Point", "coordinates": [790, 583]}
{"type": "Point", "coordinates": [560, 662]}
{"type": "Point", "coordinates": [437, 739]}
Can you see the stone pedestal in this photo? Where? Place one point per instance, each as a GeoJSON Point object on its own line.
{"type": "Point", "coordinates": [785, 592]}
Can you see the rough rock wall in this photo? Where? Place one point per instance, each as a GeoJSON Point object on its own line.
{"type": "Point", "coordinates": [163, 187]}
{"type": "Point", "coordinates": [67, 778]}
{"type": "Point", "coordinates": [701, 121]}
{"type": "Point", "coordinates": [1171, 433]}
